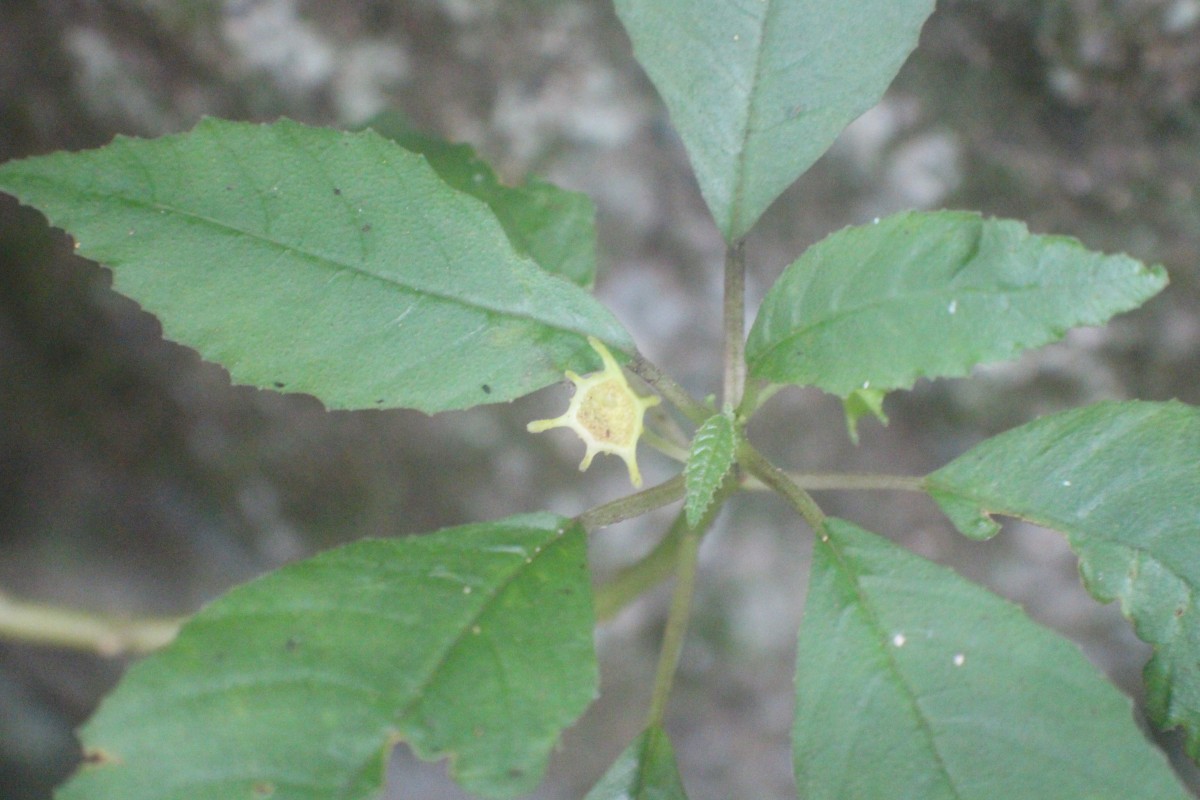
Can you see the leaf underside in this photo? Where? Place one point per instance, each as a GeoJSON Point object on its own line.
{"type": "Point", "coordinates": [1122, 481]}
{"type": "Point", "coordinates": [312, 260]}
{"type": "Point", "coordinates": [858, 404]}
{"type": "Point", "coordinates": [473, 643]}
{"type": "Point", "coordinates": [932, 294]}
{"type": "Point", "coordinates": [914, 684]}
{"type": "Point", "coordinates": [759, 90]}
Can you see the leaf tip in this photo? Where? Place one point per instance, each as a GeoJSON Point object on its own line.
{"type": "Point", "coordinates": [858, 404]}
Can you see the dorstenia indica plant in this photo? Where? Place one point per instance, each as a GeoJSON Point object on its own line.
{"type": "Point", "coordinates": [376, 272]}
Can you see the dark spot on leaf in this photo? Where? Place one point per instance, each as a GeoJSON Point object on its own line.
{"type": "Point", "coordinates": [336, 190]}
{"type": "Point", "coordinates": [1179, 612]}
{"type": "Point", "coordinates": [486, 389]}
{"type": "Point", "coordinates": [95, 757]}
{"type": "Point", "coordinates": [291, 644]}
{"type": "Point", "coordinates": [279, 384]}
{"type": "Point", "coordinates": [263, 789]}
{"type": "Point", "coordinates": [478, 731]}
{"type": "Point", "coordinates": [366, 228]}
{"type": "Point", "coordinates": [229, 188]}
{"type": "Point", "coordinates": [515, 773]}
{"type": "Point", "coordinates": [379, 402]}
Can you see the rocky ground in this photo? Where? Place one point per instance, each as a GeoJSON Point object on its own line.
{"type": "Point", "coordinates": [135, 480]}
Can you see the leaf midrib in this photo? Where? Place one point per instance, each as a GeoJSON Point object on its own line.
{"type": "Point", "coordinates": [738, 198]}
{"type": "Point", "coordinates": [419, 688]}
{"type": "Point", "coordinates": [335, 266]}
{"type": "Point", "coordinates": [926, 294]}
{"type": "Point", "coordinates": [894, 667]}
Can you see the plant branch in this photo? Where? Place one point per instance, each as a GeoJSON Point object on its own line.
{"type": "Point", "coordinates": [735, 325]}
{"type": "Point", "coordinates": [633, 505]}
{"type": "Point", "coordinates": [78, 630]}
{"type": "Point", "coordinates": [685, 541]}
{"type": "Point", "coordinates": [757, 465]}
{"type": "Point", "coordinates": [677, 622]}
{"type": "Point", "coordinates": [825, 481]}
{"type": "Point", "coordinates": [635, 579]}
{"type": "Point", "coordinates": [756, 393]}
{"type": "Point", "coordinates": [665, 385]}
{"type": "Point", "coordinates": [666, 425]}
{"type": "Point", "coordinates": [665, 446]}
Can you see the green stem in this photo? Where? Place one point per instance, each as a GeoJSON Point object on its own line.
{"type": "Point", "coordinates": [677, 551]}
{"type": "Point", "coordinates": [665, 385]}
{"type": "Point", "coordinates": [665, 446]}
{"type": "Point", "coordinates": [664, 424]}
{"type": "Point", "coordinates": [79, 630]}
{"type": "Point", "coordinates": [654, 567]}
{"type": "Point", "coordinates": [632, 506]}
{"type": "Point", "coordinates": [677, 622]}
{"type": "Point", "coordinates": [735, 325]}
{"type": "Point", "coordinates": [631, 582]}
{"type": "Point", "coordinates": [756, 393]}
{"type": "Point", "coordinates": [757, 465]}
{"type": "Point", "coordinates": [685, 542]}
{"type": "Point", "coordinates": [826, 481]}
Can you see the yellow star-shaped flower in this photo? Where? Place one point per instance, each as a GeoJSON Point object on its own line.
{"type": "Point", "coordinates": [605, 412]}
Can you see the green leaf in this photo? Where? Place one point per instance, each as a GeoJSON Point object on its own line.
{"type": "Point", "coordinates": [317, 261]}
{"type": "Point", "coordinates": [645, 771]}
{"type": "Point", "coordinates": [473, 643]}
{"type": "Point", "coordinates": [859, 404]}
{"type": "Point", "coordinates": [914, 683]}
{"type": "Point", "coordinates": [709, 461]}
{"type": "Point", "coordinates": [931, 295]}
{"type": "Point", "coordinates": [759, 90]}
{"type": "Point", "coordinates": [1122, 481]}
{"type": "Point", "coordinates": [554, 227]}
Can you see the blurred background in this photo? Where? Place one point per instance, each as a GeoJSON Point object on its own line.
{"type": "Point", "coordinates": [136, 481]}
